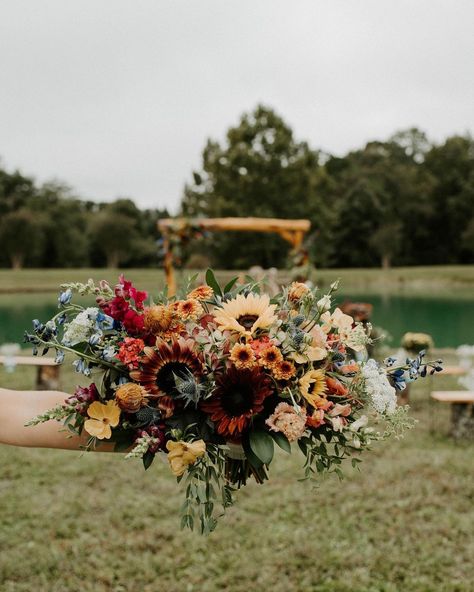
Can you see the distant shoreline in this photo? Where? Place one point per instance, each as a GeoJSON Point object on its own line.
{"type": "Point", "coordinates": [401, 279]}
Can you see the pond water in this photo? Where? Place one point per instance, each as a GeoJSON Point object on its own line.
{"type": "Point", "coordinates": [448, 318]}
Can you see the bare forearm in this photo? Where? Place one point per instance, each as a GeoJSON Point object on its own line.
{"type": "Point", "coordinates": [18, 407]}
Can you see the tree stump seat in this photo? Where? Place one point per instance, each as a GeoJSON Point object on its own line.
{"type": "Point", "coordinates": [47, 374]}
{"type": "Point", "coordinates": [462, 412]}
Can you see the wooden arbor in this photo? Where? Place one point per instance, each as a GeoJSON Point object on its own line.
{"type": "Point", "coordinates": [293, 231]}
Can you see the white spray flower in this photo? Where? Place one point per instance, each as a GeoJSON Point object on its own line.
{"type": "Point", "coordinates": [382, 394]}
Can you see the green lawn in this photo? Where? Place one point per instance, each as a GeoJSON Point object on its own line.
{"type": "Point", "coordinates": [439, 278]}
{"type": "Point", "coordinates": [101, 524]}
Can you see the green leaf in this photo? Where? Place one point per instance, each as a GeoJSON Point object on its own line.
{"type": "Point", "coordinates": [230, 285]}
{"type": "Point", "coordinates": [147, 459]}
{"type": "Point", "coordinates": [212, 282]}
{"type": "Point", "coordinates": [261, 444]}
{"type": "Point", "coordinates": [282, 441]}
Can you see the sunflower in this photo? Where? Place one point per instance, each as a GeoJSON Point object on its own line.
{"type": "Point", "coordinates": [246, 314]}
{"type": "Point", "coordinates": [313, 388]}
{"type": "Point", "coordinates": [160, 366]}
{"type": "Point", "coordinates": [239, 395]}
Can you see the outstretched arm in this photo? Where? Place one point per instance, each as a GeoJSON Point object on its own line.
{"type": "Point", "coordinates": [18, 407]}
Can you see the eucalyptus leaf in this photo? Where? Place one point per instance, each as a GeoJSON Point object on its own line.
{"type": "Point", "coordinates": [282, 441]}
{"type": "Point", "coordinates": [213, 283]}
{"type": "Point", "coordinates": [230, 285]}
{"type": "Point", "coordinates": [261, 444]}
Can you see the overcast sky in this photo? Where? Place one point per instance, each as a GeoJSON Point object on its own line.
{"type": "Point", "coordinates": [117, 97]}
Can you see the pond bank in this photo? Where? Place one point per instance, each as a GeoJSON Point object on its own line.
{"type": "Point", "coordinates": [401, 279]}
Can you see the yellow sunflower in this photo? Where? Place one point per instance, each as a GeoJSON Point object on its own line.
{"type": "Point", "coordinates": [246, 314]}
{"type": "Point", "coordinates": [313, 387]}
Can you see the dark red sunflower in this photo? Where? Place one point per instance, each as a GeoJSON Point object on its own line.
{"type": "Point", "coordinates": [239, 395]}
{"type": "Point", "coordinates": [159, 367]}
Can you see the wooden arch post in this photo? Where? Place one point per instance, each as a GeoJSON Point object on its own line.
{"type": "Point", "coordinates": [293, 231]}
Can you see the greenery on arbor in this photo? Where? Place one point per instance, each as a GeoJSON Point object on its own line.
{"type": "Point", "coordinates": [403, 201]}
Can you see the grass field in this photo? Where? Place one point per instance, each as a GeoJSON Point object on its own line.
{"type": "Point", "coordinates": [97, 523]}
{"type": "Point", "coordinates": [101, 524]}
{"type": "Point", "coordinates": [440, 278]}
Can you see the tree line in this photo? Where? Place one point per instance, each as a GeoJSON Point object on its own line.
{"type": "Point", "coordinates": [46, 226]}
{"type": "Point", "coordinates": [403, 201]}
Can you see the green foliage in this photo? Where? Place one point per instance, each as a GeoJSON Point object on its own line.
{"type": "Point", "coordinates": [261, 444]}
{"type": "Point", "coordinates": [385, 204]}
{"type": "Point", "coordinates": [260, 171]}
{"type": "Point", "coordinates": [403, 201]}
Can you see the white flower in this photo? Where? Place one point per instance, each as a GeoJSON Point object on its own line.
{"type": "Point", "coordinates": [80, 328]}
{"type": "Point", "coordinates": [381, 392]}
{"type": "Point", "coordinates": [359, 423]}
{"type": "Point", "coordinates": [324, 303]}
{"type": "Point", "coordinates": [356, 338]}
{"type": "Point", "coordinates": [336, 320]}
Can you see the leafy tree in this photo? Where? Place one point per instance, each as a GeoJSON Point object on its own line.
{"type": "Point", "coordinates": [21, 237]}
{"type": "Point", "coordinates": [452, 167]}
{"type": "Point", "coordinates": [261, 171]}
{"type": "Point", "coordinates": [112, 236]}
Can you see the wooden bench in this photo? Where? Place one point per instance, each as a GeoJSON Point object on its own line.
{"type": "Point", "coordinates": [47, 375]}
{"type": "Point", "coordinates": [462, 411]}
{"type": "Point", "coordinates": [452, 371]}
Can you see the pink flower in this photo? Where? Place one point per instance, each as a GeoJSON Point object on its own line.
{"type": "Point", "coordinates": [285, 419]}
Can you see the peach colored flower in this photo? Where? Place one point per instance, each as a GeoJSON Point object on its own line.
{"type": "Point", "coordinates": [297, 291]}
{"type": "Point", "coordinates": [189, 310]}
{"type": "Point", "coordinates": [131, 397]}
{"type": "Point", "coordinates": [201, 293]}
{"type": "Point", "coordinates": [285, 419]}
{"type": "Point", "coordinates": [316, 419]}
{"type": "Point", "coordinates": [102, 419]}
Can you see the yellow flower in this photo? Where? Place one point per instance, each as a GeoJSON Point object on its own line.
{"type": "Point", "coordinates": [313, 387]}
{"type": "Point", "coordinates": [182, 454]}
{"type": "Point", "coordinates": [246, 314]}
{"type": "Point", "coordinates": [103, 418]}
{"type": "Point", "coordinates": [242, 356]}
{"type": "Point", "coordinates": [297, 291]}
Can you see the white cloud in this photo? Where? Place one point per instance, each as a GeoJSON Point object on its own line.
{"type": "Point", "coordinates": [118, 97]}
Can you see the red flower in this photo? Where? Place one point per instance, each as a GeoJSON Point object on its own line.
{"type": "Point", "coordinates": [129, 352]}
{"type": "Point", "coordinates": [133, 322]}
{"type": "Point", "coordinates": [126, 290]}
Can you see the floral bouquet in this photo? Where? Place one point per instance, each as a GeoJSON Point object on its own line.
{"type": "Point", "coordinates": [216, 377]}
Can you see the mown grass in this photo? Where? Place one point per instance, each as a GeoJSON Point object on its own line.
{"type": "Point", "coordinates": [440, 278]}
{"type": "Point", "coordinates": [97, 523]}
